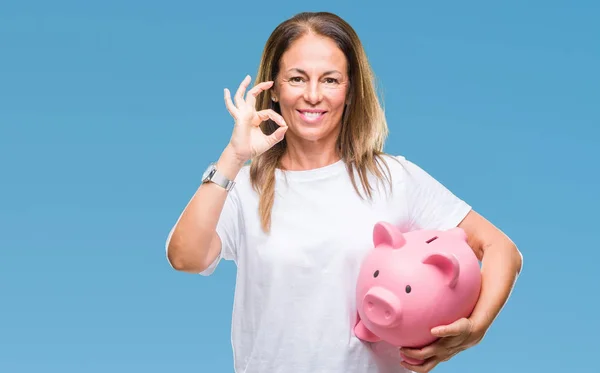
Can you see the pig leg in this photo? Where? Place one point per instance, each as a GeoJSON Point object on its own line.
{"type": "Point", "coordinates": [361, 331]}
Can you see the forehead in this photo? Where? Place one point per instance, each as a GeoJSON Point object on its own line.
{"type": "Point", "coordinates": [313, 53]}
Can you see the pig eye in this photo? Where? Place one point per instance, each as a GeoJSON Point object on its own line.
{"type": "Point", "coordinates": [408, 289]}
{"type": "Point", "coordinates": [376, 273]}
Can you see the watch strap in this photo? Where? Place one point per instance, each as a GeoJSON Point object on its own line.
{"type": "Point", "coordinates": [218, 178]}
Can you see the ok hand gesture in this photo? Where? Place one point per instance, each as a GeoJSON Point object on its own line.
{"type": "Point", "coordinates": [247, 139]}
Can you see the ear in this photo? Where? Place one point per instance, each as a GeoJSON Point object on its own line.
{"type": "Point", "coordinates": [387, 234]}
{"type": "Point", "coordinates": [458, 232]}
{"type": "Point", "coordinates": [447, 264]}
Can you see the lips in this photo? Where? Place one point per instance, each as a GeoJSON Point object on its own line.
{"type": "Point", "coordinates": [312, 115]}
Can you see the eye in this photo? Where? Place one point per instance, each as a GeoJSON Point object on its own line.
{"type": "Point", "coordinates": [408, 289]}
{"type": "Point", "coordinates": [331, 80]}
{"type": "Point", "coordinates": [376, 273]}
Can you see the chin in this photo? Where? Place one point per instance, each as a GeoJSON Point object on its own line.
{"type": "Point", "coordinates": [311, 133]}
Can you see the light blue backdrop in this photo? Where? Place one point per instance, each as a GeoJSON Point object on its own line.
{"type": "Point", "coordinates": [110, 111]}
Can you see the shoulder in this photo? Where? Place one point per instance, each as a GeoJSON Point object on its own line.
{"type": "Point", "coordinates": [402, 170]}
{"type": "Point", "coordinates": [397, 164]}
{"type": "Point", "coordinates": [391, 159]}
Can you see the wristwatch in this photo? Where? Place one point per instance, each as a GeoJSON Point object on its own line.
{"type": "Point", "coordinates": [212, 175]}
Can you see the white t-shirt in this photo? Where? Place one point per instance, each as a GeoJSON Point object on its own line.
{"type": "Point", "coordinates": [294, 303]}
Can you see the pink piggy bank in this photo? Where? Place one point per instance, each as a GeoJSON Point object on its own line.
{"type": "Point", "coordinates": [412, 282]}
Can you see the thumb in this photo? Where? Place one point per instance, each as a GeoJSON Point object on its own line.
{"type": "Point", "coordinates": [456, 328]}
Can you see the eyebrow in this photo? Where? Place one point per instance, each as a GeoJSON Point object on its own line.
{"type": "Point", "coordinates": [304, 72]}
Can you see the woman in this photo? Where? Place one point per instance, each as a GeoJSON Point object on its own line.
{"type": "Point", "coordinates": [298, 219]}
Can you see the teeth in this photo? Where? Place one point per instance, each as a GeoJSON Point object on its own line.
{"type": "Point", "coordinates": [312, 115]}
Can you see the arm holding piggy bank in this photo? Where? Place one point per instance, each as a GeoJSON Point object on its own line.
{"type": "Point", "coordinates": [413, 285]}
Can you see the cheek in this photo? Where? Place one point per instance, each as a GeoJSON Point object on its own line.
{"type": "Point", "coordinates": [336, 97]}
{"type": "Point", "coordinates": [290, 95]}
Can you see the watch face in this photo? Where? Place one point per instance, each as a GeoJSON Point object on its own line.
{"type": "Point", "coordinates": [208, 173]}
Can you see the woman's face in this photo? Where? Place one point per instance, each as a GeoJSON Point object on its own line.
{"type": "Point", "coordinates": [311, 89]}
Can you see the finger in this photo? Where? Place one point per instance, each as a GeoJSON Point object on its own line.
{"type": "Point", "coordinates": [424, 353]}
{"type": "Point", "coordinates": [273, 115]}
{"type": "Point", "coordinates": [256, 90]}
{"type": "Point", "coordinates": [239, 94]}
{"type": "Point", "coordinates": [426, 367]}
{"type": "Point", "coordinates": [229, 104]}
{"type": "Point", "coordinates": [276, 136]}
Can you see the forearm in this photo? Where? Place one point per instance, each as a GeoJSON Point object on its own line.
{"type": "Point", "coordinates": [501, 266]}
{"type": "Point", "coordinates": [192, 237]}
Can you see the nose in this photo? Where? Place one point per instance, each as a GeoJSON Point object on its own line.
{"type": "Point", "coordinates": [382, 307]}
{"type": "Point", "coordinates": [312, 93]}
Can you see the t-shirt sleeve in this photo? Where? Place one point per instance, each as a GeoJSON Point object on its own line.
{"type": "Point", "coordinates": [431, 205]}
{"type": "Point", "coordinates": [228, 228]}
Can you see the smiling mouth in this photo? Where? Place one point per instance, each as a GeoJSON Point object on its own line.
{"type": "Point", "coordinates": [311, 116]}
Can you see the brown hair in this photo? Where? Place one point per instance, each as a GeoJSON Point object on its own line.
{"type": "Point", "coordinates": [364, 128]}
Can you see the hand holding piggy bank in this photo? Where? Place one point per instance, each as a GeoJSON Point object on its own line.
{"type": "Point", "coordinates": [412, 282]}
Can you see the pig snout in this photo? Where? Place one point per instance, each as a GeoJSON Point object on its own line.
{"type": "Point", "coordinates": [382, 307]}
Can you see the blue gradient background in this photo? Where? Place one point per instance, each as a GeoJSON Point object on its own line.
{"type": "Point", "coordinates": [110, 111]}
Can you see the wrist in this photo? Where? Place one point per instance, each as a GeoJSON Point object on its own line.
{"type": "Point", "coordinates": [479, 325]}
{"type": "Point", "coordinates": [229, 164]}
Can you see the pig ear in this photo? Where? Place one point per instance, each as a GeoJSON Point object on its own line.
{"type": "Point", "coordinates": [387, 234]}
{"type": "Point", "coordinates": [458, 232]}
{"type": "Point", "coordinates": [447, 264]}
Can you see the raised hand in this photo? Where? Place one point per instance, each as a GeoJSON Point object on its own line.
{"type": "Point", "coordinates": [247, 139]}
